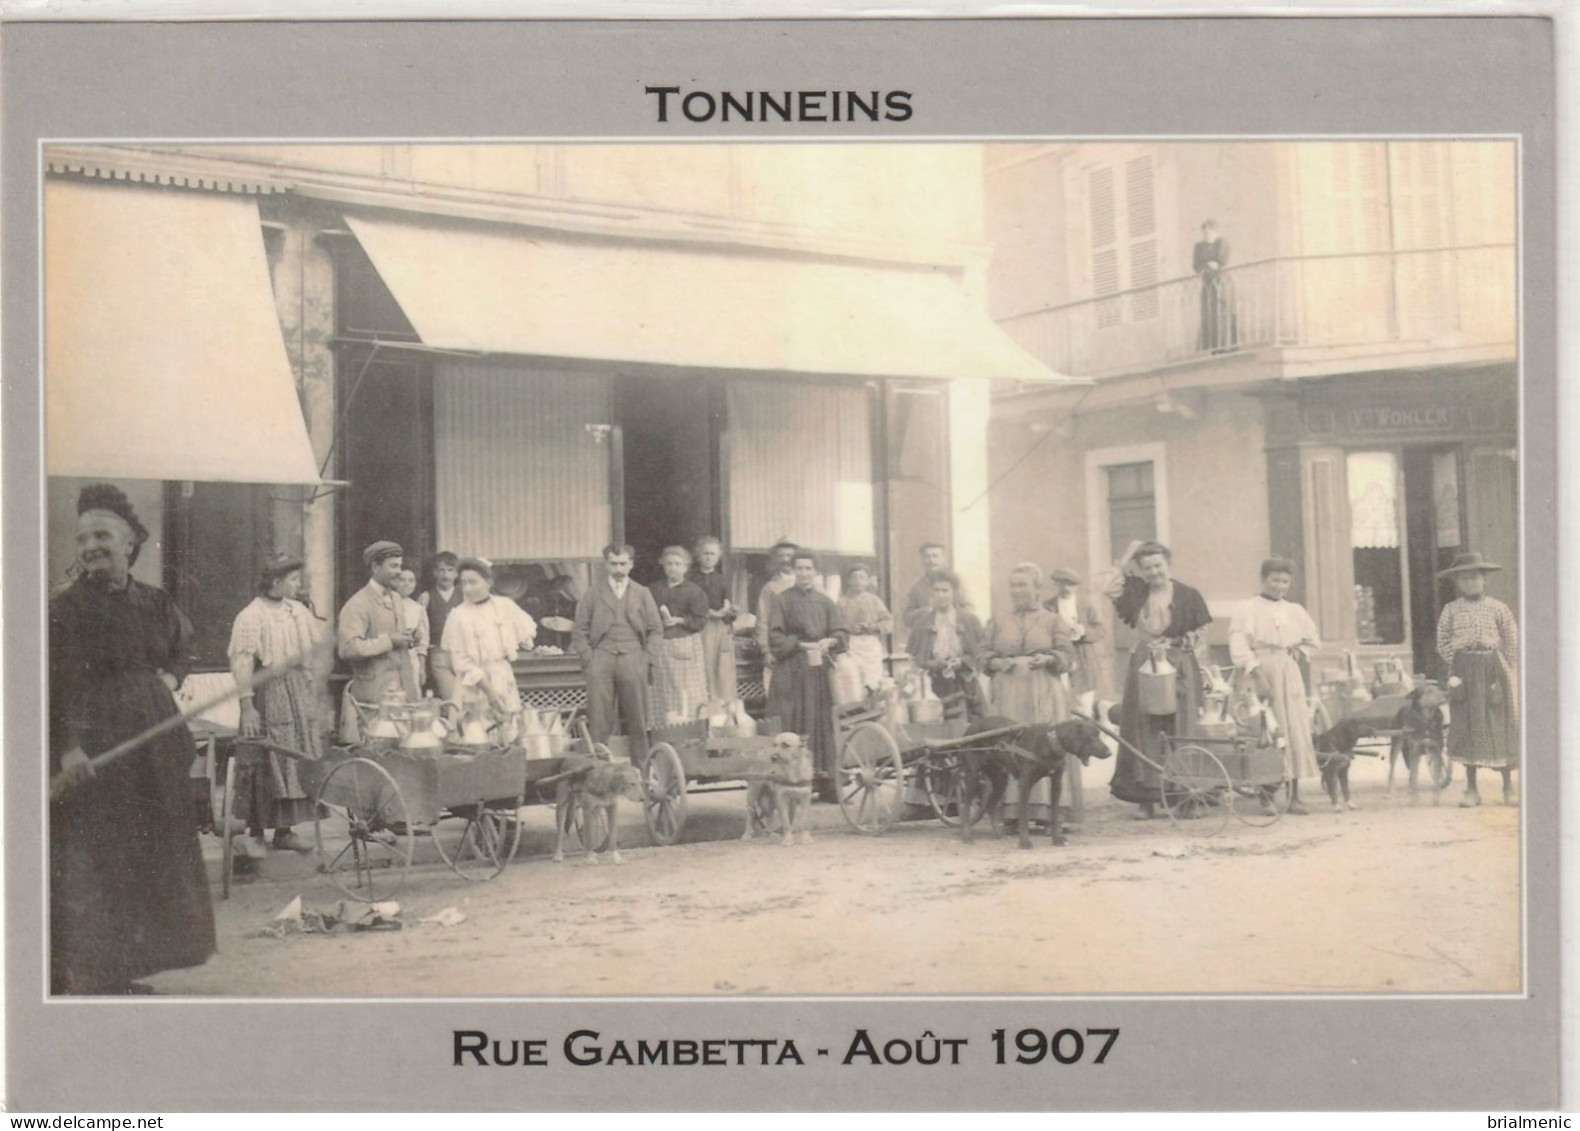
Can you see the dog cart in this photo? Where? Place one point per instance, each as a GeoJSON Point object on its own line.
{"type": "Point", "coordinates": [881, 760]}
{"type": "Point", "coordinates": [1381, 706]}
{"type": "Point", "coordinates": [686, 753]}
{"type": "Point", "coordinates": [374, 800]}
{"type": "Point", "coordinates": [1229, 767]}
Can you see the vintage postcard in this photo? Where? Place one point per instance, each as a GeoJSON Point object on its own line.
{"type": "Point", "coordinates": [873, 585]}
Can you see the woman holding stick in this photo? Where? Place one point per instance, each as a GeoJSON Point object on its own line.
{"type": "Point", "coordinates": [128, 893]}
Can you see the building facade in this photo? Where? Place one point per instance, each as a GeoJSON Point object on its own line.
{"type": "Point", "coordinates": [526, 352]}
{"type": "Point", "coordinates": [1342, 390]}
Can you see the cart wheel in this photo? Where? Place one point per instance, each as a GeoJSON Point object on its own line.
{"type": "Point", "coordinates": [1321, 721]}
{"type": "Point", "coordinates": [1260, 805]}
{"type": "Point", "coordinates": [941, 780]}
{"type": "Point", "coordinates": [1196, 790]}
{"type": "Point", "coordinates": [763, 813]}
{"type": "Point", "coordinates": [664, 794]}
{"type": "Point", "coordinates": [374, 861]}
{"type": "Point", "coordinates": [480, 840]}
{"type": "Point", "coordinates": [1440, 766]}
{"type": "Point", "coordinates": [594, 837]}
{"type": "Point", "coordinates": [227, 805]}
{"type": "Point", "coordinates": [870, 779]}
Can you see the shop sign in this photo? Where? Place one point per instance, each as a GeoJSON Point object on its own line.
{"type": "Point", "coordinates": [1370, 419]}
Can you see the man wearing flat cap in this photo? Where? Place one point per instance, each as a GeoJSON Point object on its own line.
{"type": "Point", "coordinates": [1092, 678]}
{"type": "Point", "coordinates": [373, 638]}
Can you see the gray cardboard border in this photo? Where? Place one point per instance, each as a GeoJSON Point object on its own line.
{"type": "Point", "coordinates": [1029, 78]}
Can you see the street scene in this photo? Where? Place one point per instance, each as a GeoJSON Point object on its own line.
{"type": "Point", "coordinates": [455, 549]}
{"type": "Point", "coordinates": [1393, 898]}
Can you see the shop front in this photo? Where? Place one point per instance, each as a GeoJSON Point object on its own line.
{"type": "Point", "coordinates": [1376, 485]}
{"type": "Point", "coordinates": [529, 400]}
{"type": "Point", "coordinates": [166, 374]}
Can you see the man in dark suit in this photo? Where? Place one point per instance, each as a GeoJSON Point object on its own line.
{"type": "Point", "coordinates": [617, 629]}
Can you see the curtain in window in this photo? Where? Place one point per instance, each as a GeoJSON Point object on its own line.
{"type": "Point", "coordinates": [518, 475]}
{"type": "Point", "coordinates": [800, 466]}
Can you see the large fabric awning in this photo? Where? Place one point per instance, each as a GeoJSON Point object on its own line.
{"type": "Point", "coordinates": [469, 287]}
{"type": "Point", "coordinates": [163, 357]}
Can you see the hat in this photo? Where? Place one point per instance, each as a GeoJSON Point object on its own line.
{"type": "Point", "coordinates": [1064, 576]}
{"type": "Point", "coordinates": [1469, 563]}
{"type": "Point", "coordinates": [377, 552]}
{"type": "Point", "coordinates": [110, 498]}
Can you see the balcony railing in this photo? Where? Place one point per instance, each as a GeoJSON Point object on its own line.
{"type": "Point", "coordinates": [1426, 298]}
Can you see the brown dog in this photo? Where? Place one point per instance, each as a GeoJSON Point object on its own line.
{"type": "Point", "coordinates": [595, 792]}
{"type": "Point", "coordinates": [1335, 752]}
{"type": "Point", "coordinates": [785, 789]}
{"type": "Point", "coordinates": [1420, 726]}
{"type": "Point", "coordinates": [1034, 752]}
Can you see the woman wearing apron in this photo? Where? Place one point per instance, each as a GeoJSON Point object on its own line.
{"type": "Point", "coordinates": [1169, 618]}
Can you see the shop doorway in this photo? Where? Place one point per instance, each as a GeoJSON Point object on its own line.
{"type": "Point", "coordinates": [669, 454]}
{"type": "Point", "coordinates": [1434, 514]}
{"type": "Point", "coordinates": [1407, 523]}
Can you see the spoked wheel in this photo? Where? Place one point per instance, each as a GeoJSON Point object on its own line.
{"type": "Point", "coordinates": [1260, 805]}
{"type": "Point", "coordinates": [870, 779]}
{"type": "Point", "coordinates": [1440, 766]}
{"type": "Point", "coordinates": [227, 806]}
{"type": "Point", "coordinates": [763, 814]}
{"type": "Point", "coordinates": [1196, 790]}
{"type": "Point", "coordinates": [479, 841]}
{"type": "Point", "coordinates": [663, 794]}
{"type": "Point", "coordinates": [943, 782]}
{"type": "Point", "coordinates": [591, 825]}
{"type": "Point", "coordinates": [367, 808]}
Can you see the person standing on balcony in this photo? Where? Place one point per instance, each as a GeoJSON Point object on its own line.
{"type": "Point", "coordinates": [1219, 331]}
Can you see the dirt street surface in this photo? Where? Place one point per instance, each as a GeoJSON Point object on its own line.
{"type": "Point", "coordinates": [1391, 898]}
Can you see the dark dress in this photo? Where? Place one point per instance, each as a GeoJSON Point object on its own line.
{"type": "Point", "coordinates": [801, 695]}
{"type": "Point", "coordinates": [1220, 330]}
{"type": "Point", "coordinates": [1134, 780]}
{"type": "Point", "coordinates": [128, 892]}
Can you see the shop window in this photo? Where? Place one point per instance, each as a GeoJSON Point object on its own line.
{"type": "Point", "coordinates": [1132, 506]}
{"type": "Point", "coordinates": [1377, 547]}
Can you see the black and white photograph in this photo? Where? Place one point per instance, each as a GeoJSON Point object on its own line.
{"type": "Point", "coordinates": [528, 552]}
{"type": "Point", "coordinates": [849, 545]}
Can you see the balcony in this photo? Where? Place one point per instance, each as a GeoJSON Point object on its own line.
{"type": "Point", "coordinates": [1298, 314]}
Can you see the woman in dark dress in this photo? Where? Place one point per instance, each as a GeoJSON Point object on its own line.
{"type": "Point", "coordinates": [1169, 618]}
{"type": "Point", "coordinates": [805, 630]}
{"type": "Point", "coordinates": [1220, 331]}
{"type": "Point", "coordinates": [128, 893]}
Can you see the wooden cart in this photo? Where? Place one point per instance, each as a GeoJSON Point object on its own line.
{"type": "Point", "coordinates": [879, 764]}
{"type": "Point", "coordinates": [374, 803]}
{"type": "Point", "coordinates": [687, 753]}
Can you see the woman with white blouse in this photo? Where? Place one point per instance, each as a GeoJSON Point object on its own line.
{"type": "Point", "coordinates": [482, 637]}
{"type": "Point", "coordinates": [1268, 637]}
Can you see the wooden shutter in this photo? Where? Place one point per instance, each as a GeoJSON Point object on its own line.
{"type": "Point", "coordinates": [1141, 224]}
{"type": "Point", "coordinates": [1104, 224]}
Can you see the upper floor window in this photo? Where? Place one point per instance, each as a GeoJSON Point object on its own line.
{"type": "Point", "coordinates": [1123, 226]}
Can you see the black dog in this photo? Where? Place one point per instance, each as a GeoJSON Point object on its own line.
{"type": "Point", "coordinates": [1335, 752]}
{"type": "Point", "coordinates": [1420, 726]}
{"type": "Point", "coordinates": [1033, 752]}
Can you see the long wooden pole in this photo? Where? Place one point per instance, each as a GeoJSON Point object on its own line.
{"type": "Point", "coordinates": [62, 781]}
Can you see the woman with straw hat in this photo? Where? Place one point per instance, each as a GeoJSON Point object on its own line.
{"type": "Point", "coordinates": [1479, 645]}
